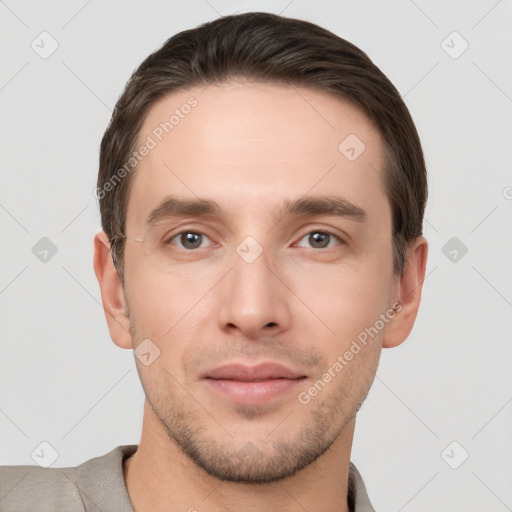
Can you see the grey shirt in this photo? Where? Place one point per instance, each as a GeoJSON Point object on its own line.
{"type": "Point", "coordinates": [98, 485]}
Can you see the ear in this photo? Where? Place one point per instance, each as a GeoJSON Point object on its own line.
{"type": "Point", "coordinates": [408, 294]}
{"type": "Point", "coordinates": [112, 293]}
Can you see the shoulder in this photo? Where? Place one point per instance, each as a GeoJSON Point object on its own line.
{"type": "Point", "coordinates": [37, 489]}
{"type": "Point", "coordinates": [24, 488]}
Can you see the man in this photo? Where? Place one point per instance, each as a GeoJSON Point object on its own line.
{"type": "Point", "coordinates": [262, 189]}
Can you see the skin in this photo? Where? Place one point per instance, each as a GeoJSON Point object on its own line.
{"type": "Point", "coordinates": [250, 147]}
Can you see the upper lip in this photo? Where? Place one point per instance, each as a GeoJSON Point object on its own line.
{"type": "Point", "coordinates": [264, 371]}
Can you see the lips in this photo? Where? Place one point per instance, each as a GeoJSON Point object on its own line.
{"type": "Point", "coordinates": [251, 385]}
{"type": "Point", "coordinates": [261, 372]}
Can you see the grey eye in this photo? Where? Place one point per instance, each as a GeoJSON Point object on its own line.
{"type": "Point", "coordinates": [189, 239]}
{"type": "Point", "coordinates": [320, 239]}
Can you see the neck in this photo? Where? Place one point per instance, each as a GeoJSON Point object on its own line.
{"type": "Point", "coordinates": [160, 477]}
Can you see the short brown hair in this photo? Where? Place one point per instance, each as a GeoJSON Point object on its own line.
{"type": "Point", "coordinates": [264, 47]}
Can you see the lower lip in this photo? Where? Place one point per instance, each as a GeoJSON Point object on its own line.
{"type": "Point", "coordinates": [243, 392]}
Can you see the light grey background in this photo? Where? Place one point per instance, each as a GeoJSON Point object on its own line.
{"type": "Point", "coordinates": [63, 380]}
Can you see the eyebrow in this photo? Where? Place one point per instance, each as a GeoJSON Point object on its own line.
{"type": "Point", "coordinates": [173, 206]}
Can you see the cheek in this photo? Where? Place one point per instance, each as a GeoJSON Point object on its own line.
{"type": "Point", "coordinates": [167, 304]}
{"type": "Point", "coordinates": [340, 303]}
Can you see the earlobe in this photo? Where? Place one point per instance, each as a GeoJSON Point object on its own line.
{"type": "Point", "coordinates": [112, 293]}
{"type": "Point", "coordinates": [410, 287]}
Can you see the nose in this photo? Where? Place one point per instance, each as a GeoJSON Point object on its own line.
{"type": "Point", "coordinates": [254, 299]}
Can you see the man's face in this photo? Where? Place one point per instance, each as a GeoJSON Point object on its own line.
{"type": "Point", "coordinates": [246, 288]}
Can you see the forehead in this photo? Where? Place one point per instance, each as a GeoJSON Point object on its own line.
{"type": "Point", "coordinates": [251, 145]}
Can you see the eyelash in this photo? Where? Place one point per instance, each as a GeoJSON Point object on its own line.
{"type": "Point", "coordinates": [324, 232]}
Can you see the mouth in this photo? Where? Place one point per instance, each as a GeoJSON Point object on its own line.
{"type": "Point", "coordinates": [252, 384]}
